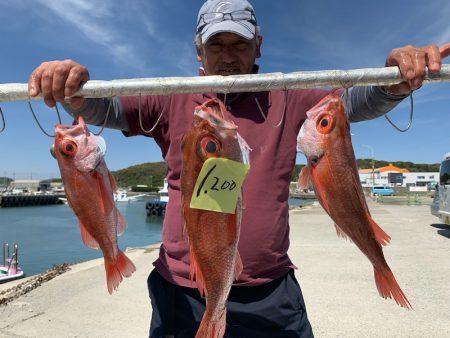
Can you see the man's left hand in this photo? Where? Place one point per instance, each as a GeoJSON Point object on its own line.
{"type": "Point", "coordinates": [412, 62]}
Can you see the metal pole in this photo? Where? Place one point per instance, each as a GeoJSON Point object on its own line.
{"type": "Point", "coordinates": [232, 83]}
{"type": "Point", "coordinates": [373, 163]}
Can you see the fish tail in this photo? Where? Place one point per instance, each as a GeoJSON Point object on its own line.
{"type": "Point", "coordinates": [388, 287]}
{"type": "Point", "coordinates": [122, 266]}
{"type": "Point", "coordinates": [212, 326]}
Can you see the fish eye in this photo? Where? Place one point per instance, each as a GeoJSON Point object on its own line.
{"type": "Point", "coordinates": [209, 146]}
{"type": "Point", "coordinates": [325, 123]}
{"type": "Point", "coordinates": [68, 148]}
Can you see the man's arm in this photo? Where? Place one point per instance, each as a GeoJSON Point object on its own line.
{"type": "Point", "coordinates": [95, 111]}
{"type": "Point", "coordinates": [367, 103]}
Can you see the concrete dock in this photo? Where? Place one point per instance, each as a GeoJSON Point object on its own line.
{"type": "Point", "coordinates": [336, 279]}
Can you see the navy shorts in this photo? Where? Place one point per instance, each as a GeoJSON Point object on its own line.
{"type": "Point", "coordinates": [275, 309]}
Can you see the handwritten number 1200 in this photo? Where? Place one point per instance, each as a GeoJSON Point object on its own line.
{"type": "Point", "coordinates": [217, 185]}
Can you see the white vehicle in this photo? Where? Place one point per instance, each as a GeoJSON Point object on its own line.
{"type": "Point", "coordinates": [441, 203]}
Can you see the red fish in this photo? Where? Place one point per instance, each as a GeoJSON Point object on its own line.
{"type": "Point", "coordinates": [89, 188]}
{"type": "Point", "coordinates": [325, 140]}
{"type": "Point", "coordinates": [213, 236]}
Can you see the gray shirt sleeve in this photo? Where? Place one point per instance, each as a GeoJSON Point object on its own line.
{"type": "Point", "coordinates": [95, 111]}
{"type": "Point", "coordinates": [361, 103]}
{"type": "Point", "coordinates": [367, 103]}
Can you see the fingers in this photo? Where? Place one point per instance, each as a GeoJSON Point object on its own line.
{"type": "Point", "coordinates": [413, 62]}
{"type": "Point", "coordinates": [444, 50]}
{"type": "Point", "coordinates": [57, 80]}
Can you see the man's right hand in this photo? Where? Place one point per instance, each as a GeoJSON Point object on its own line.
{"type": "Point", "coordinates": [57, 80]}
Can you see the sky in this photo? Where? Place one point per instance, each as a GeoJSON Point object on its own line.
{"type": "Point", "coordinates": [149, 38]}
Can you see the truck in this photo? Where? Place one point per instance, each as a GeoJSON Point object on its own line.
{"type": "Point", "coordinates": [440, 207]}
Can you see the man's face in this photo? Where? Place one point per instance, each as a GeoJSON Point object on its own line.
{"type": "Point", "coordinates": [228, 54]}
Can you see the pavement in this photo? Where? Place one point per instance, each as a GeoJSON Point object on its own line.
{"type": "Point", "coordinates": [336, 279]}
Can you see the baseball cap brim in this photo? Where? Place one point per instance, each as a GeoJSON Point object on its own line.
{"type": "Point", "coordinates": [242, 28]}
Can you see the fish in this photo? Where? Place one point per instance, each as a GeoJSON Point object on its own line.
{"type": "Point", "coordinates": [331, 170]}
{"type": "Point", "coordinates": [212, 236]}
{"type": "Point", "coordinates": [89, 188]}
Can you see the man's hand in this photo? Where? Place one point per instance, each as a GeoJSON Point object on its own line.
{"type": "Point", "coordinates": [412, 62]}
{"type": "Point", "coordinates": [57, 80]}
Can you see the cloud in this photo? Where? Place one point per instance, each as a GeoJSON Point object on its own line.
{"type": "Point", "coordinates": [102, 22]}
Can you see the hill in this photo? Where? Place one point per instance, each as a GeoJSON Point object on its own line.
{"type": "Point", "coordinates": [150, 174]}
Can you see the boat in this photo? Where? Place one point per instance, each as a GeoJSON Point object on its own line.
{"type": "Point", "coordinates": [10, 269]}
{"type": "Point", "coordinates": [121, 195]}
{"type": "Point", "coordinates": [164, 192]}
{"type": "Point", "coordinates": [157, 207]}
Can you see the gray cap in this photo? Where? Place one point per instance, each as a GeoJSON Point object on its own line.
{"type": "Point", "coordinates": [235, 16]}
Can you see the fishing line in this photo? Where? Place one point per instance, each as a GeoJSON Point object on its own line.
{"type": "Point", "coordinates": [282, 114]}
{"type": "Point", "coordinates": [157, 121]}
{"type": "Point", "coordinates": [106, 118]}
{"type": "Point", "coordinates": [410, 115]}
{"type": "Point", "coordinates": [3, 120]}
{"type": "Point", "coordinates": [37, 121]}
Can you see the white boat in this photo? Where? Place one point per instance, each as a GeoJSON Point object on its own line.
{"type": "Point", "coordinates": [121, 195]}
{"type": "Point", "coordinates": [157, 207]}
{"type": "Point", "coordinates": [10, 269]}
{"type": "Point", "coordinates": [164, 192]}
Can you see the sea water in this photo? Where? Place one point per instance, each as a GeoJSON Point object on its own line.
{"type": "Point", "coordinates": [49, 235]}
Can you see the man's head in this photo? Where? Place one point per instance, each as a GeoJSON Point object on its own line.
{"type": "Point", "coordinates": [227, 38]}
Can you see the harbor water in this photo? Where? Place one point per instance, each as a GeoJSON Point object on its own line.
{"type": "Point", "coordinates": [49, 235]}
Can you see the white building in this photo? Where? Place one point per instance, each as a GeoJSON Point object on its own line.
{"type": "Point", "coordinates": [393, 176]}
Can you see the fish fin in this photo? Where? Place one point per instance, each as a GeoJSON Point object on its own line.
{"type": "Point", "coordinates": [196, 273]}
{"type": "Point", "coordinates": [121, 222]}
{"type": "Point", "coordinates": [87, 238]}
{"type": "Point", "coordinates": [238, 266]}
{"type": "Point", "coordinates": [213, 326]}
{"type": "Point", "coordinates": [122, 266]}
{"type": "Point", "coordinates": [321, 197]}
{"type": "Point", "coordinates": [381, 237]}
{"type": "Point", "coordinates": [107, 200]}
{"type": "Point", "coordinates": [388, 287]}
{"type": "Point", "coordinates": [341, 233]}
{"type": "Point", "coordinates": [305, 178]}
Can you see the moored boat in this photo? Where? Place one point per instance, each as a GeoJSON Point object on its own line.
{"type": "Point", "coordinates": [10, 269]}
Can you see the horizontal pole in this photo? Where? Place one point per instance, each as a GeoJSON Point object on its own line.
{"type": "Point", "coordinates": [233, 83]}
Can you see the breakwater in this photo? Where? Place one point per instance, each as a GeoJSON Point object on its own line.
{"type": "Point", "coordinates": [28, 200]}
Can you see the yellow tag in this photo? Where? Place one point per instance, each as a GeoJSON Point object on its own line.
{"type": "Point", "coordinates": [218, 185]}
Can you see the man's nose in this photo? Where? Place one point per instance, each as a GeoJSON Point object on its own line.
{"type": "Point", "coordinates": [228, 54]}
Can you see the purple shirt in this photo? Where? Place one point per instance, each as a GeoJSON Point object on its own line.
{"type": "Point", "coordinates": [264, 239]}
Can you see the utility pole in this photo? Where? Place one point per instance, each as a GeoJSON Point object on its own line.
{"type": "Point", "coordinates": [373, 163]}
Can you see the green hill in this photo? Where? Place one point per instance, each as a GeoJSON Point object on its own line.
{"type": "Point", "coordinates": [152, 174]}
{"type": "Point", "coordinates": [149, 174]}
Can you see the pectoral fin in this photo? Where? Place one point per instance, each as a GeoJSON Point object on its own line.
{"type": "Point", "coordinates": [87, 238]}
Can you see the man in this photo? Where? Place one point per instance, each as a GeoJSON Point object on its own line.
{"type": "Point", "coordinates": [266, 300]}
